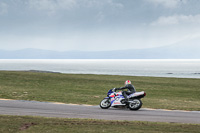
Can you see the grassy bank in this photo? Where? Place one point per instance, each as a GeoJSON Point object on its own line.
{"type": "Point", "coordinates": [166, 93]}
{"type": "Point", "coordinates": [25, 124]}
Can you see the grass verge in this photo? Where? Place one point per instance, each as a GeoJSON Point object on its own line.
{"type": "Point", "coordinates": [27, 124]}
{"type": "Point", "coordinates": [165, 93]}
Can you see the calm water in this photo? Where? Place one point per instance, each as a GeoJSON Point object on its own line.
{"type": "Point", "coordinates": [156, 68]}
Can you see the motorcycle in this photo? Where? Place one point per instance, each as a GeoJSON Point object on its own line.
{"type": "Point", "coordinates": [117, 100]}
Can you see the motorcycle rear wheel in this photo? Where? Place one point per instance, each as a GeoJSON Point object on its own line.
{"type": "Point", "coordinates": [135, 104]}
{"type": "Point", "coordinates": [105, 104]}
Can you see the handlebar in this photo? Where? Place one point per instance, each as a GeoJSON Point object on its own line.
{"type": "Point", "coordinates": [114, 89]}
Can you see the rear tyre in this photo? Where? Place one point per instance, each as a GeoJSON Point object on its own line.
{"type": "Point", "coordinates": [105, 104]}
{"type": "Point", "coordinates": [135, 104]}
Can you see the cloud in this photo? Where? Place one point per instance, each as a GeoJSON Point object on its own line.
{"type": "Point", "coordinates": [115, 4]}
{"type": "Point", "coordinates": [167, 3]}
{"type": "Point", "coordinates": [102, 3]}
{"type": "Point", "coordinates": [3, 8]}
{"type": "Point", "coordinates": [100, 17]}
{"type": "Point", "coordinates": [51, 6]}
{"type": "Point", "coordinates": [177, 19]}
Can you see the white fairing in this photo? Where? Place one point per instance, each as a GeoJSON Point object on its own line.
{"type": "Point", "coordinates": [136, 94]}
{"type": "Point", "coordinates": [116, 101]}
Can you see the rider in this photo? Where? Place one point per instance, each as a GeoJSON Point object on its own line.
{"type": "Point", "coordinates": [130, 88]}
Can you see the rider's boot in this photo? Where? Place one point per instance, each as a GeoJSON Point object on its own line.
{"type": "Point", "coordinates": [126, 100]}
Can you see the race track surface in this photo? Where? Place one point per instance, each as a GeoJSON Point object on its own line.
{"type": "Point", "coordinates": [47, 109]}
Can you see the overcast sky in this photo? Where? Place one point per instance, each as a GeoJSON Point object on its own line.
{"type": "Point", "coordinates": [97, 25]}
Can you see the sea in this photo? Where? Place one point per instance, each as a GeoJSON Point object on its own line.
{"type": "Point", "coordinates": [179, 68]}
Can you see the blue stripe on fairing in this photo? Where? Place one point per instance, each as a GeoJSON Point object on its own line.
{"type": "Point", "coordinates": [112, 102]}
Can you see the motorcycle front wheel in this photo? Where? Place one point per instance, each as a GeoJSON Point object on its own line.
{"type": "Point", "coordinates": [105, 103]}
{"type": "Point", "coordinates": [135, 104]}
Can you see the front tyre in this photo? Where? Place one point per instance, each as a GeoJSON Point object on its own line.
{"type": "Point", "coordinates": [105, 103]}
{"type": "Point", "coordinates": [135, 104]}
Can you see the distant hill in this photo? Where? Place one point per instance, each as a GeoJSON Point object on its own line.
{"type": "Point", "coordinates": [187, 50]}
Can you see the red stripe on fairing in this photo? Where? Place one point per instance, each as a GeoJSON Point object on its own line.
{"type": "Point", "coordinates": [112, 96]}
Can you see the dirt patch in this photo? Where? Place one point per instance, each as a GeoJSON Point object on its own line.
{"type": "Point", "coordinates": [89, 123]}
{"type": "Point", "coordinates": [94, 122]}
{"type": "Point", "coordinates": [26, 126]}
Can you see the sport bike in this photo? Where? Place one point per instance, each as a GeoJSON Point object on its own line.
{"type": "Point", "coordinates": [117, 100]}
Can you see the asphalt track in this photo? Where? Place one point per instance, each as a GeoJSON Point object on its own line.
{"type": "Point", "coordinates": [47, 109]}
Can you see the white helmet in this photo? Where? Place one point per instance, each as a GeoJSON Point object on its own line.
{"type": "Point", "coordinates": [127, 82]}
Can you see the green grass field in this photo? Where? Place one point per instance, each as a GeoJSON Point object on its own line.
{"type": "Point", "coordinates": [25, 124]}
{"type": "Point", "coordinates": [165, 93]}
